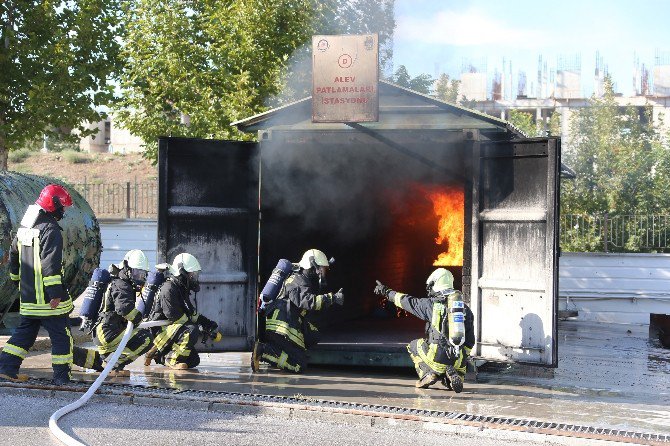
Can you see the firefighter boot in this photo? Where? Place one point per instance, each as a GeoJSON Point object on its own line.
{"type": "Point", "coordinates": [177, 365]}
{"type": "Point", "coordinates": [455, 379]}
{"type": "Point", "coordinates": [62, 375]}
{"type": "Point", "coordinates": [428, 380]}
{"type": "Point", "coordinates": [150, 355]}
{"type": "Point", "coordinates": [256, 357]}
{"type": "Point", "coordinates": [17, 378]}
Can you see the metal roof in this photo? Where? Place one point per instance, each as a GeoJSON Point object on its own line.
{"type": "Point", "coordinates": [399, 108]}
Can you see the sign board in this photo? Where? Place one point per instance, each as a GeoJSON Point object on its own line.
{"type": "Point", "coordinates": [345, 76]}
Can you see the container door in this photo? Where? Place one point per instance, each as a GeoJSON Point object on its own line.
{"type": "Point", "coordinates": [515, 257]}
{"type": "Point", "coordinates": [208, 207]}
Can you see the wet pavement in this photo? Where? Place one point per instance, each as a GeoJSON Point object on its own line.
{"type": "Point", "coordinates": [609, 375]}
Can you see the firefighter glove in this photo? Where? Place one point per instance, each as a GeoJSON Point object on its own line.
{"type": "Point", "coordinates": [382, 289]}
{"type": "Point", "coordinates": [338, 297]}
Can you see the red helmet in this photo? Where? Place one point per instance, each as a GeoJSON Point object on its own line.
{"type": "Point", "coordinates": [51, 192]}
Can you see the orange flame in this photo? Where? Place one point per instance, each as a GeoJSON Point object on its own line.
{"type": "Point", "coordinates": [449, 205]}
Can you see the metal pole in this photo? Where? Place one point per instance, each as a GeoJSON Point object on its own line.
{"type": "Point", "coordinates": [605, 235]}
{"type": "Point", "coordinates": [128, 199]}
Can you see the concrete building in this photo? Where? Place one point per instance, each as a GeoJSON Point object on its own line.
{"type": "Point", "coordinates": [110, 138]}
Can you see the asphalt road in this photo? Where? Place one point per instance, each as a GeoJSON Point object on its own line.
{"type": "Point", "coordinates": [24, 421]}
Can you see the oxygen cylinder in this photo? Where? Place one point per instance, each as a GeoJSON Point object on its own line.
{"type": "Point", "coordinates": [93, 297]}
{"type": "Point", "coordinates": [154, 281]}
{"type": "Point", "coordinates": [273, 286]}
{"type": "Point", "coordinates": [456, 319]}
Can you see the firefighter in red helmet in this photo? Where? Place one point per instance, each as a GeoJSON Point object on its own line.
{"type": "Point", "coordinates": [36, 268]}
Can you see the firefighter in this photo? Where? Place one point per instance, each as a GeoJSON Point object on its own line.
{"type": "Point", "coordinates": [288, 329]}
{"type": "Point", "coordinates": [174, 344]}
{"type": "Point", "coordinates": [35, 259]}
{"type": "Point", "coordinates": [118, 308]}
{"type": "Point", "coordinates": [435, 357]}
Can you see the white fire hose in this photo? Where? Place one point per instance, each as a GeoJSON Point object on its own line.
{"type": "Point", "coordinates": [53, 421]}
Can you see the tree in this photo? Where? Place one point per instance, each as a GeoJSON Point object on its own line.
{"type": "Point", "coordinates": [524, 122]}
{"type": "Point", "coordinates": [446, 89]}
{"type": "Point", "coordinates": [56, 62]}
{"type": "Point", "coordinates": [620, 158]}
{"type": "Point", "coordinates": [193, 67]}
{"type": "Point", "coordinates": [420, 83]}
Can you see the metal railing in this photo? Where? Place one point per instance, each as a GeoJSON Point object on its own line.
{"type": "Point", "coordinates": [121, 200]}
{"type": "Point", "coordinates": [615, 233]}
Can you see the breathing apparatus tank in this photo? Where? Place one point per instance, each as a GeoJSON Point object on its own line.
{"type": "Point", "coordinates": [273, 286]}
{"type": "Point", "coordinates": [456, 318]}
{"type": "Point", "coordinates": [153, 283]}
{"type": "Point", "coordinates": [93, 298]}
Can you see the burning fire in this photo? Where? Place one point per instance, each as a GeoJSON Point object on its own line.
{"type": "Point", "coordinates": [449, 205]}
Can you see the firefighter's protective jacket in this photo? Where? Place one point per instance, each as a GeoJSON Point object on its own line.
{"type": "Point", "coordinates": [172, 304]}
{"type": "Point", "coordinates": [435, 310]}
{"type": "Point", "coordinates": [36, 257]}
{"type": "Point", "coordinates": [287, 314]}
{"type": "Point", "coordinates": [117, 310]}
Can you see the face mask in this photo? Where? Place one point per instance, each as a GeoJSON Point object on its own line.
{"type": "Point", "coordinates": [138, 276]}
{"type": "Point", "coordinates": [193, 281]}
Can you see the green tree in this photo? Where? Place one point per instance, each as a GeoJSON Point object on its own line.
{"type": "Point", "coordinates": [446, 89]}
{"type": "Point", "coordinates": [620, 159]}
{"type": "Point", "coordinates": [193, 67]}
{"type": "Point", "coordinates": [421, 83]}
{"type": "Point", "coordinates": [56, 62]}
{"type": "Point", "coordinates": [524, 122]}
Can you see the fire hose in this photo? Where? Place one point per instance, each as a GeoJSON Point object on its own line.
{"type": "Point", "coordinates": [53, 421]}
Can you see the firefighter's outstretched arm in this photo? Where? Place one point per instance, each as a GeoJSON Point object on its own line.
{"type": "Point", "coordinates": [302, 298]}
{"type": "Point", "coordinates": [421, 308]}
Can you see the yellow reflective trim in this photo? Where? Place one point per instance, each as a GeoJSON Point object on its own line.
{"type": "Point", "coordinates": [14, 277]}
{"type": "Point", "coordinates": [52, 280]}
{"type": "Point", "coordinates": [105, 346]}
{"type": "Point", "coordinates": [37, 267]}
{"type": "Point", "coordinates": [397, 299]}
{"type": "Point", "coordinates": [436, 319]}
{"type": "Point", "coordinates": [429, 357]}
{"type": "Point", "coordinates": [61, 359]}
{"type": "Point", "coordinates": [131, 355]}
{"type": "Point", "coordinates": [319, 302]}
{"type": "Point", "coordinates": [181, 348]}
{"type": "Point", "coordinates": [283, 328]}
{"type": "Point", "coordinates": [467, 350]}
{"type": "Point", "coordinates": [167, 333]}
{"type": "Point", "coordinates": [131, 315]}
{"type": "Point", "coordinates": [90, 358]}
{"type": "Point", "coordinates": [281, 363]}
{"type": "Point", "coordinates": [15, 350]}
{"type": "Point", "coordinates": [30, 309]}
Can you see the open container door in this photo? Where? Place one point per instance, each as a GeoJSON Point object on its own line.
{"type": "Point", "coordinates": [208, 207]}
{"type": "Point", "coordinates": [515, 250]}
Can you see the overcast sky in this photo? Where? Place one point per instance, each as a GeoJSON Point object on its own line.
{"type": "Point", "coordinates": [434, 36]}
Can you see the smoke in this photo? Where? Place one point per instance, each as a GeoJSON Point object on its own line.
{"type": "Point", "coordinates": [345, 183]}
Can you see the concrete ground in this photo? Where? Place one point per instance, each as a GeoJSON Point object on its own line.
{"type": "Point", "coordinates": [25, 419]}
{"type": "Point", "coordinates": [608, 376]}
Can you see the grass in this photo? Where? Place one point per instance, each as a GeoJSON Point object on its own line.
{"type": "Point", "coordinates": [19, 156]}
{"type": "Point", "coordinates": [74, 157]}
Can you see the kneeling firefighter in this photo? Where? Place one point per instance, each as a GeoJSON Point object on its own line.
{"type": "Point", "coordinates": [118, 308]}
{"type": "Point", "coordinates": [288, 330]}
{"type": "Point", "coordinates": [174, 344]}
{"type": "Point", "coordinates": [450, 333]}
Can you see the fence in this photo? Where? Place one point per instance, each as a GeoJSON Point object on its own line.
{"type": "Point", "coordinates": [121, 200]}
{"type": "Point", "coordinates": [615, 233]}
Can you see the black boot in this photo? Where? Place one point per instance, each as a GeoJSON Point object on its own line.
{"type": "Point", "coordinates": [428, 380]}
{"type": "Point", "coordinates": [455, 379]}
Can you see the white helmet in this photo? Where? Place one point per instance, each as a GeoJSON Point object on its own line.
{"type": "Point", "coordinates": [319, 258]}
{"type": "Point", "coordinates": [439, 280]}
{"type": "Point", "coordinates": [135, 259]}
{"type": "Point", "coordinates": [186, 261]}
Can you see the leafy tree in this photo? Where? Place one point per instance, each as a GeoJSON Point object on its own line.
{"type": "Point", "coordinates": [56, 61]}
{"type": "Point", "coordinates": [620, 159]}
{"type": "Point", "coordinates": [524, 122]}
{"type": "Point", "coordinates": [420, 83]}
{"type": "Point", "coordinates": [193, 67]}
{"type": "Point", "coordinates": [446, 89]}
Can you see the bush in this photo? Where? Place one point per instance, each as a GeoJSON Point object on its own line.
{"type": "Point", "coordinates": [74, 157]}
{"type": "Point", "coordinates": [19, 156]}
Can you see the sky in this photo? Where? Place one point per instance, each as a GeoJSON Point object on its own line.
{"type": "Point", "coordinates": [434, 36]}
